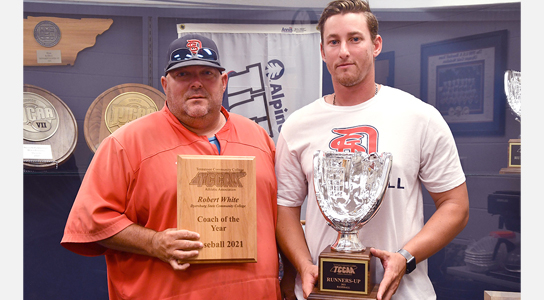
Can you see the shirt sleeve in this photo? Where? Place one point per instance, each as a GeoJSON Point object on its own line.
{"type": "Point", "coordinates": [440, 168]}
{"type": "Point", "coordinates": [292, 183]}
{"type": "Point", "coordinates": [98, 210]}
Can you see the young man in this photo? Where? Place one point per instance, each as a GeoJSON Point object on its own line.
{"type": "Point", "coordinates": [126, 206]}
{"type": "Point", "coordinates": [364, 116]}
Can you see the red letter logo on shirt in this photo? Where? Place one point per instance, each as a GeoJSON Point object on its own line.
{"type": "Point", "coordinates": [356, 139]}
{"type": "Point", "coordinates": [194, 45]}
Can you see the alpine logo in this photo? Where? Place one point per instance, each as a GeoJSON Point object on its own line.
{"type": "Point", "coordinates": [343, 269]}
{"type": "Point", "coordinates": [274, 70]}
{"type": "Point", "coordinates": [363, 138]}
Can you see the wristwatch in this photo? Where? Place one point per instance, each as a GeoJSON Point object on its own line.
{"type": "Point", "coordinates": [410, 260]}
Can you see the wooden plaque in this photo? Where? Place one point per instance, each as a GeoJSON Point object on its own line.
{"type": "Point", "coordinates": [48, 121]}
{"type": "Point", "coordinates": [217, 199]}
{"type": "Point", "coordinates": [117, 106]}
{"type": "Point", "coordinates": [61, 40]}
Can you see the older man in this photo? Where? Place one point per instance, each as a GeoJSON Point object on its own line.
{"type": "Point", "coordinates": [126, 206]}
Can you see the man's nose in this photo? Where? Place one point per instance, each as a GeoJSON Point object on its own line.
{"type": "Point", "coordinates": [196, 82]}
{"type": "Point", "coordinates": [344, 51]}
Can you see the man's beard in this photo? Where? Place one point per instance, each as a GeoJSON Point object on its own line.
{"type": "Point", "coordinates": [349, 80]}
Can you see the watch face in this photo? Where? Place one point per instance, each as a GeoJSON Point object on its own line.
{"type": "Point", "coordinates": [410, 265]}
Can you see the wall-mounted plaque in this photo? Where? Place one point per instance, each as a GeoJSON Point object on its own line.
{"type": "Point", "coordinates": [57, 41]}
{"type": "Point", "coordinates": [117, 106]}
{"type": "Point", "coordinates": [40, 118]}
{"type": "Point", "coordinates": [217, 199]}
{"type": "Point", "coordinates": [49, 129]}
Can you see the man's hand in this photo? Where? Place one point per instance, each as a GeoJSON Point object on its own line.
{"type": "Point", "coordinates": [174, 246]}
{"type": "Point", "coordinates": [394, 265]}
{"type": "Point", "coordinates": [171, 245]}
{"type": "Point", "coordinates": [309, 278]}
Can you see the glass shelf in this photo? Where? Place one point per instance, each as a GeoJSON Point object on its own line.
{"type": "Point", "coordinates": [488, 174]}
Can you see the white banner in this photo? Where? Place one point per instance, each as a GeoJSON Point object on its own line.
{"type": "Point", "coordinates": [273, 69]}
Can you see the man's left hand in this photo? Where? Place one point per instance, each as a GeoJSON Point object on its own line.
{"type": "Point", "coordinates": [394, 265]}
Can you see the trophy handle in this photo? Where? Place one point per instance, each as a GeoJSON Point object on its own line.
{"type": "Point", "coordinates": [388, 163]}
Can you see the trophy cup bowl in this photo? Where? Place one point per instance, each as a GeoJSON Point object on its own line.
{"type": "Point", "coordinates": [512, 89]}
{"type": "Point", "coordinates": [349, 190]}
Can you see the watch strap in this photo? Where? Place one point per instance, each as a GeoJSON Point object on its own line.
{"type": "Point", "coordinates": [410, 260]}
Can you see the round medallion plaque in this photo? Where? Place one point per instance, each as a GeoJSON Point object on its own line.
{"type": "Point", "coordinates": [47, 120]}
{"type": "Point", "coordinates": [117, 106]}
{"type": "Point", "coordinates": [47, 34]}
{"type": "Point", "coordinates": [127, 107]}
{"type": "Point", "coordinates": [40, 118]}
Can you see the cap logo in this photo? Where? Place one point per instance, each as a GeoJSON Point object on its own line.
{"type": "Point", "coordinates": [194, 45]}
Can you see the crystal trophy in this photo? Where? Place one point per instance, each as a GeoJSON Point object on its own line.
{"type": "Point", "coordinates": [512, 89]}
{"type": "Point", "coordinates": [349, 190]}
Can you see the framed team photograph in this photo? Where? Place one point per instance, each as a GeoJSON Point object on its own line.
{"type": "Point", "coordinates": [464, 79]}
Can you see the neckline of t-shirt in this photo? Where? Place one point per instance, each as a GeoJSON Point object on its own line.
{"type": "Point", "coordinates": [363, 105]}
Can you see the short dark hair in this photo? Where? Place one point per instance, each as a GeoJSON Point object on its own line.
{"type": "Point", "coordinates": [349, 6]}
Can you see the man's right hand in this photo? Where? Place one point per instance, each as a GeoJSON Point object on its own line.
{"type": "Point", "coordinates": [171, 245]}
{"type": "Point", "coordinates": [309, 278]}
{"type": "Point", "coordinates": [176, 246]}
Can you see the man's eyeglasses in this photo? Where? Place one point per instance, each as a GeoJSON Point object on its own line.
{"type": "Point", "coordinates": [186, 54]}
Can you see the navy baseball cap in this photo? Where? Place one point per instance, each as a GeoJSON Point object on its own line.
{"type": "Point", "coordinates": [192, 50]}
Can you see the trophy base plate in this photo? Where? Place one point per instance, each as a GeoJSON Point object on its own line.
{"type": "Point", "coordinates": [345, 274]}
{"type": "Point", "coordinates": [319, 295]}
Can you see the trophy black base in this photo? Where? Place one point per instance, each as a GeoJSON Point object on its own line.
{"type": "Point", "coordinates": [344, 276]}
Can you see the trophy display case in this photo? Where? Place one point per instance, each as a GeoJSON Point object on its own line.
{"type": "Point", "coordinates": [131, 49]}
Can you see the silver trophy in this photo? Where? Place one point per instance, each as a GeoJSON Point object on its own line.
{"type": "Point", "coordinates": [349, 189]}
{"type": "Point", "coordinates": [512, 89]}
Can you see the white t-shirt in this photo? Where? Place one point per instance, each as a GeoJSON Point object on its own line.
{"type": "Point", "coordinates": [393, 121]}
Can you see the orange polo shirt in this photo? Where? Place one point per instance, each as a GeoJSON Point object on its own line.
{"type": "Point", "coordinates": [133, 179]}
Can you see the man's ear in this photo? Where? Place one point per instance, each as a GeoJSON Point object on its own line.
{"type": "Point", "coordinates": [164, 83]}
{"type": "Point", "coordinates": [322, 52]}
{"type": "Point", "coordinates": [377, 45]}
{"type": "Point", "coordinates": [225, 80]}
